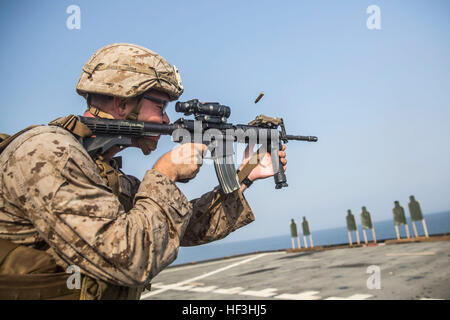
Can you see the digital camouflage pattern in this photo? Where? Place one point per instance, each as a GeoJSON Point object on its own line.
{"type": "Point", "coordinates": [128, 70]}
{"type": "Point", "coordinates": [53, 198]}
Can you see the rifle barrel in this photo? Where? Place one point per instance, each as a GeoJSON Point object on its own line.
{"type": "Point", "coordinates": [302, 138]}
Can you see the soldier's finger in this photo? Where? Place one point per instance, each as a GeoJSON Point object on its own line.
{"type": "Point", "coordinates": [204, 149]}
{"type": "Point", "coordinates": [282, 154]}
{"type": "Point", "coordinates": [196, 158]}
{"type": "Point", "coordinates": [200, 148]}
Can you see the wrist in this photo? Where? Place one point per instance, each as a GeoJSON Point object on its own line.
{"type": "Point", "coordinates": [252, 177]}
{"type": "Point", "coordinates": [166, 171]}
{"type": "Point", "coordinates": [247, 182]}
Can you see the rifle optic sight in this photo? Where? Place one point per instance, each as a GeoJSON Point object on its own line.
{"type": "Point", "coordinates": [203, 109]}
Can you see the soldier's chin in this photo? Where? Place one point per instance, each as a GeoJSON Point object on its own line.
{"type": "Point", "coordinates": [147, 145]}
{"type": "Point", "coordinates": [152, 144]}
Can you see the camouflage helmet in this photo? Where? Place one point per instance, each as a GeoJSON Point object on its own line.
{"type": "Point", "coordinates": [128, 70]}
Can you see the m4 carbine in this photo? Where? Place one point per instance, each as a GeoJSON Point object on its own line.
{"type": "Point", "coordinates": [210, 127]}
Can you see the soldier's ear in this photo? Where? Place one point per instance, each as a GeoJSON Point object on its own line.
{"type": "Point", "coordinates": [122, 103]}
{"type": "Point", "coordinates": [120, 106]}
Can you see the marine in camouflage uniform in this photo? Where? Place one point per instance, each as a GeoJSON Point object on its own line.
{"type": "Point", "coordinates": [58, 208]}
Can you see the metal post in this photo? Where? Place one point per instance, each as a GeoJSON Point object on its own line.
{"type": "Point", "coordinates": [425, 228]}
{"type": "Point", "coordinates": [357, 236]}
{"type": "Point", "coordinates": [396, 231]}
{"type": "Point", "coordinates": [365, 236]}
{"type": "Point", "coordinates": [407, 230]}
{"type": "Point", "coordinates": [414, 228]}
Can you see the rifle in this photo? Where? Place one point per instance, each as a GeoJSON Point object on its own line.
{"type": "Point", "coordinates": [210, 127]}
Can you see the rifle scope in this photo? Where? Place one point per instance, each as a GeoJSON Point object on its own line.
{"type": "Point", "coordinates": [197, 108]}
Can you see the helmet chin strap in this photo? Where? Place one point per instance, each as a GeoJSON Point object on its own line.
{"type": "Point", "coordinates": [133, 115]}
{"type": "Point", "coordinates": [95, 111]}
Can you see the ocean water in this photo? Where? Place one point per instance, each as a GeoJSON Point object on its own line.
{"type": "Point", "coordinates": [437, 223]}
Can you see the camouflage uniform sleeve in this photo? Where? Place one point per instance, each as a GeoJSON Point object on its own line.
{"type": "Point", "coordinates": [215, 216]}
{"type": "Point", "coordinates": [58, 187]}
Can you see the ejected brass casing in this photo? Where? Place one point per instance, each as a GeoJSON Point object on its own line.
{"type": "Point", "coordinates": [259, 97]}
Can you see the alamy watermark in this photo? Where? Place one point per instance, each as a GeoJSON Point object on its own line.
{"type": "Point", "coordinates": [74, 20]}
{"type": "Point", "coordinates": [221, 143]}
{"type": "Point", "coordinates": [374, 281]}
{"type": "Point", "coordinates": [74, 280]}
{"type": "Point", "coordinates": [374, 20]}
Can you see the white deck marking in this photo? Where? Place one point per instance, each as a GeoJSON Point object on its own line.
{"type": "Point", "coordinates": [204, 264]}
{"type": "Point", "coordinates": [266, 293]}
{"type": "Point", "coordinates": [306, 295]}
{"type": "Point", "coordinates": [185, 287]}
{"type": "Point", "coordinates": [196, 283]}
{"type": "Point", "coordinates": [234, 290]}
{"type": "Point", "coordinates": [427, 253]}
{"type": "Point", "coordinates": [200, 264]}
{"type": "Point", "coordinates": [178, 284]}
{"type": "Point", "coordinates": [269, 292]}
{"type": "Point", "coordinates": [307, 260]}
{"type": "Point", "coordinates": [357, 296]}
{"type": "Point", "coordinates": [203, 289]}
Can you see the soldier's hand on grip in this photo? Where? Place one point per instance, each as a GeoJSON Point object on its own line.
{"type": "Point", "coordinates": [183, 162]}
{"type": "Point", "coordinates": [264, 169]}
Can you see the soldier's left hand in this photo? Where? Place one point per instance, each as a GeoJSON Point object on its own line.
{"type": "Point", "coordinates": [264, 169]}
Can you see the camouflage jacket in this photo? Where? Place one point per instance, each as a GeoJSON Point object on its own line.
{"type": "Point", "coordinates": [52, 197]}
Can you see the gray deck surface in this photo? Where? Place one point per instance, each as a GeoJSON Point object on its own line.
{"type": "Point", "coordinates": [407, 271]}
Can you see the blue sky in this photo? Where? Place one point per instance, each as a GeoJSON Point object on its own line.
{"type": "Point", "coordinates": [379, 100]}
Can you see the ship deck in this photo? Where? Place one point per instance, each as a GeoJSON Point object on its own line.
{"type": "Point", "coordinates": [414, 270]}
